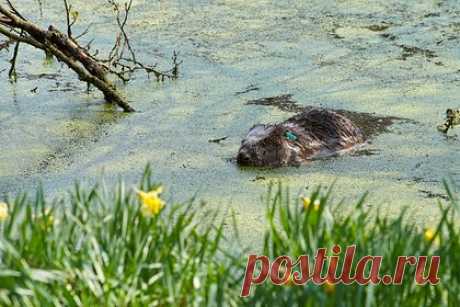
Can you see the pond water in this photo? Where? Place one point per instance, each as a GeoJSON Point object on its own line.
{"type": "Point", "coordinates": [391, 58]}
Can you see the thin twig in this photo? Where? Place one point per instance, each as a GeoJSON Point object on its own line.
{"type": "Point", "coordinates": [129, 64]}
{"type": "Point", "coordinates": [218, 140]}
{"type": "Point", "coordinates": [69, 25]}
{"type": "Point", "coordinates": [86, 31]}
{"type": "Point", "coordinates": [12, 72]}
{"type": "Point", "coordinates": [14, 10]}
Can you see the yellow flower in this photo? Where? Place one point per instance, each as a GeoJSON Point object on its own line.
{"type": "Point", "coordinates": [3, 211]}
{"type": "Point", "coordinates": [151, 202]}
{"type": "Point", "coordinates": [47, 221]}
{"type": "Point", "coordinates": [329, 287]}
{"type": "Point", "coordinates": [306, 202]}
{"type": "Point", "coordinates": [429, 236]}
{"type": "Point", "coordinates": [317, 204]}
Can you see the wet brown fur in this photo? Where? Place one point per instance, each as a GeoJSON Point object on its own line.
{"type": "Point", "coordinates": [318, 133]}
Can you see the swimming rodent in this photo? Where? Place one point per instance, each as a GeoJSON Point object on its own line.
{"type": "Point", "coordinates": [311, 134]}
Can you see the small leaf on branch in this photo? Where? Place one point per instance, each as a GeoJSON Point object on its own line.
{"type": "Point", "coordinates": [75, 15]}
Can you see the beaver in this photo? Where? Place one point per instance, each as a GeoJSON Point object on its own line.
{"type": "Point", "coordinates": [313, 133]}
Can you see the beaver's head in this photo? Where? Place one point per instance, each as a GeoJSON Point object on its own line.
{"type": "Point", "coordinates": [270, 145]}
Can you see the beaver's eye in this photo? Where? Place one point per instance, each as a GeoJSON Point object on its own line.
{"type": "Point", "coordinates": [290, 136]}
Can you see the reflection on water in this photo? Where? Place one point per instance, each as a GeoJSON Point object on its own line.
{"type": "Point", "coordinates": [391, 59]}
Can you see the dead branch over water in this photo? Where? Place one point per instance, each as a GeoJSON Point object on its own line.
{"type": "Point", "coordinates": [121, 61]}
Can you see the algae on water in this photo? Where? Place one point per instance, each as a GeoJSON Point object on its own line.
{"type": "Point", "coordinates": [392, 59]}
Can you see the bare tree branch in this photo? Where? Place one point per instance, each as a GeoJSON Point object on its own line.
{"type": "Point", "coordinates": [15, 37]}
{"type": "Point", "coordinates": [121, 61]}
{"type": "Point", "coordinates": [65, 50]}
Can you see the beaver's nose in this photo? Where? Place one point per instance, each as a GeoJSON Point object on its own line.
{"type": "Point", "coordinates": [243, 158]}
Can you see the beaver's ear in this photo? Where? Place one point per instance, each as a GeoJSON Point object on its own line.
{"type": "Point", "coordinates": [258, 132]}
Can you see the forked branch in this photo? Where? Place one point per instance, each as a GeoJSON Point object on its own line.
{"type": "Point", "coordinates": [121, 62]}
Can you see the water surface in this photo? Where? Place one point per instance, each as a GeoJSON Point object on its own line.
{"type": "Point", "coordinates": [390, 58]}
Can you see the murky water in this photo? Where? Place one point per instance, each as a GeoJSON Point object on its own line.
{"type": "Point", "coordinates": [391, 58]}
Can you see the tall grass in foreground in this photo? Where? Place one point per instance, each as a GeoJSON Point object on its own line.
{"type": "Point", "coordinates": [110, 247]}
{"type": "Point", "coordinates": [297, 230]}
{"type": "Point", "coordinates": [99, 248]}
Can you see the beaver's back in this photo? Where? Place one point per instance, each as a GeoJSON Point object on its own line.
{"type": "Point", "coordinates": [326, 130]}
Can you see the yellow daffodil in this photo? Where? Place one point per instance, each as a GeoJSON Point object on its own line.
{"type": "Point", "coordinates": [3, 211]}
{"type": "Point", "coordinates": [47, 221]}
{"type": "Point", "coordinates": [329, 287]}
{"type": "Point", "coordinates": [306, 201]}
{"type": "Point", "coordinates": [429, 235]}
{"type": "Point", "coordinates": [151, 201]}
{"type": "Point", "coordinates": [316, 204]}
